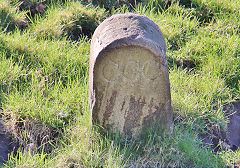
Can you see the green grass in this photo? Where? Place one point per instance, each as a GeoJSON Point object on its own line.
{"type": "Point", "coordinates": [44, 84]}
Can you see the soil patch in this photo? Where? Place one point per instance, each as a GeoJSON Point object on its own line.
{"type": "Point", "coordinates": [6, 144]}
{"type": "Point", "coordinates": [228, 138]}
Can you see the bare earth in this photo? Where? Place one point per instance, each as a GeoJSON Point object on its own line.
{"type": "Point", "coordinates": [5, 144]}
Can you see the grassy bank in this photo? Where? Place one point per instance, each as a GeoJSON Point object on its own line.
{"type": "Point", "coordinates": [44, 57]}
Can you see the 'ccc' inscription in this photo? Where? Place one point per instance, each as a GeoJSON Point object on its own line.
{"type": "Point", "coordinates": [131, 71]}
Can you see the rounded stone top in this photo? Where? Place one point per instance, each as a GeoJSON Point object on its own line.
{"type": "Point", "coordinates": [126, 30]}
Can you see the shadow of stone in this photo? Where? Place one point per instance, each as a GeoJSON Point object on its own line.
{"type": "Point", "coordinates": [183, 63]}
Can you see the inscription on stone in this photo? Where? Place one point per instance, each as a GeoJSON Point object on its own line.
{"type": "Point", "coordinates": [129, 84]}
{"type": "Point", "coordinates": [131, 71]}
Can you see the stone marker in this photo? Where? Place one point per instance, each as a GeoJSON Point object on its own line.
{"type": "Point", "coordinates": [128, 77]}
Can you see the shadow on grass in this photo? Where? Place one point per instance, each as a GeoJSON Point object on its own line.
{"type": "Point", "coordinates": [6, 21]}
{"type": "Point", "coordinates": [204, 13]}
{"type": "Point", "coordinates": [19, 55]}
{"type": "Point", "coordinates": [183, 63]}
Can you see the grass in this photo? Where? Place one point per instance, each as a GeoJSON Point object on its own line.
{"type": "Point", "coordinates": [10, 16]}
{"type": "Point", "coordinates": [44, 84]}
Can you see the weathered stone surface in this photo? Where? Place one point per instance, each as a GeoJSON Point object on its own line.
{"type": "Point", "coordinates": [128, 76]}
